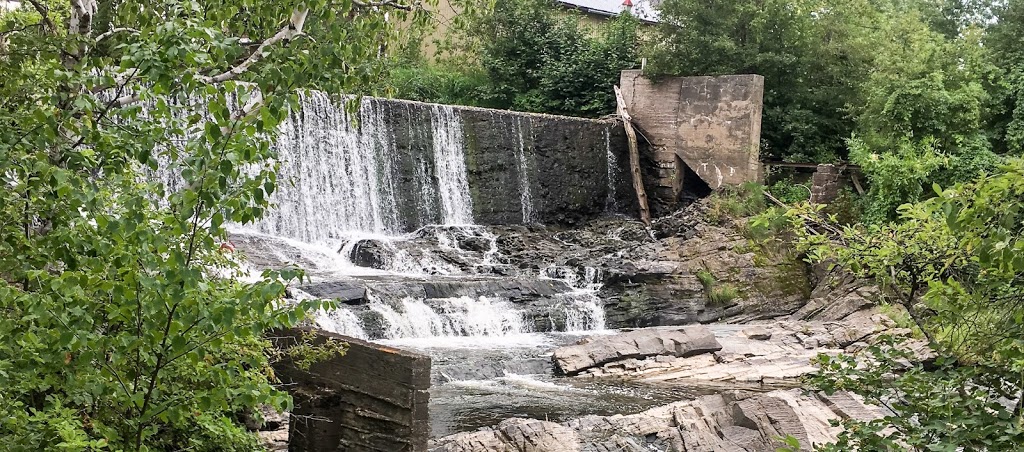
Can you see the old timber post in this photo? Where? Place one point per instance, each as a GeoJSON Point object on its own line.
{"type": "Point", "coordinates": [634, 159]}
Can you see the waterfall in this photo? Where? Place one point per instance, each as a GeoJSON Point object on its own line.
{"type": "Point", "coordinates": [339, 169]}
{"type": "Point", "coordinates": [335, 173]}
{"type": "Point", "coordinates": [483, 316]}
{"type": "Point", "coordinates": [583, 311]}
{"type": "Point", "coordinates": [524, 173]}
{"type": "Point", "coordinates": [341, 321]}
{"type": "Point", "coordinates": [450, 166]}
{"type": "Point", "coordinates": [452, 317]}
{"type": "Point", "coordinates": [582, 307]}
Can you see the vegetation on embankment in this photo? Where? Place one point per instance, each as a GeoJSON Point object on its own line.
{"type": "Point", "coordinates": [953, 265]}
{"type": "Point", "coordinates": [950, 268]}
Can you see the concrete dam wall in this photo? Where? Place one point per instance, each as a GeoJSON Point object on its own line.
{"type": "Point", "coordinates": [394, 166]}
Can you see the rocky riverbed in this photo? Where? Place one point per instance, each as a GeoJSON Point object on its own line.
{"type": "Point", "coordinates": [524, 321]}
{"type": "Point", "coordinates": [730, 421]}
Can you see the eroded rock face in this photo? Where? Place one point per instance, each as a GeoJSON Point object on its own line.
{"type": "Point", "coordinates": [734, 421]}
{"type": "Point", "coordinates": [639, 344]}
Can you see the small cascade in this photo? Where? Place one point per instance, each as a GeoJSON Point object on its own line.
{"type": "Point", "coordinates": [523, 168]}
{"type": "Point", "coordinates": [341, 321]}
{"type": "Point", "coordinates": [467, 240]}
{"type": "Point", "coordinates": [611, 203]}
{"type": "Point", "coordinates": [589, 280]}
{"type": "Point", "coordinates": [450, 166]}
{"type": "Point", "coordinates": [583, 309]}
{"type": "Point", "coordinates": [450, 317]}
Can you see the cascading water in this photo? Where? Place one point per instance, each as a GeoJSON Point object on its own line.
{"type": "Point", "coordinates": [524, 172]}
{"type": "Point", "coordinates": [341, 321]}
{"type": "Point", "coordinates": [450, 166]}
{"type": "Point", "coordinates": [611, 203]}
{"type": "Point", "coordinates": [582, 307]}
{"type": "Point", "coordinates": [450, 317]}
{"type": "Point", "coordinates": [335, 173]}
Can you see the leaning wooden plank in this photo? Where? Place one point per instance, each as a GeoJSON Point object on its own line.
{"type": "Point", "coordinates": [634, 159]}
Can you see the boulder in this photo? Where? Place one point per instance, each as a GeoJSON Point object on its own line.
{"type": "Point", "coordinates": [637, 344]}
{"type": "Point", "coordinates": [372, 254]}
{"type": "Point", "coordinates": [757, 333]}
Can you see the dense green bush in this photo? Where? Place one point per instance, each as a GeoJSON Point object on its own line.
{"type": "Point", "coordinates": [123, 323]}
{"type": "Point", "coordinates": [953, 264]}
{"type": "Point", "coordinates": [440, 83]}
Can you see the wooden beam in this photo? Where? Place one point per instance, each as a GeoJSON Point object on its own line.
{"type": "Point", "coordinates": [856, 183]}
{"type": "Point", "coordinates": [634, 158]}
{"type": "Point", "coordinates": [842, 166]}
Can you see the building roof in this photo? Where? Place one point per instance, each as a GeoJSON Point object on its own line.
{"type": "Point", "coordinates": [643, 9]}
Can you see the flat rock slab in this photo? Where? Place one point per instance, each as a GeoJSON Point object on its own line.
{"type": "Point", "coordinates": [758, 353]}
{"type": "Point", "coordinates": [638, 344]}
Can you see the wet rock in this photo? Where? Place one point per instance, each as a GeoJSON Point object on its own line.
{"type": "Point", "coordinates": [371, 254]}
{"type": "Point", "coordinates": [343, 291]}
{"type": "Point", "coordinates": [603, 350]}
{"type": "Point", "coordinates": [724, 422]}
{"type": "Point", "coordinates": [479, 244]}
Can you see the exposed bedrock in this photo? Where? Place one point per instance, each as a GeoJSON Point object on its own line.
{"type": "Point", "coordinates": [765, 353]}
{"type": "Point", "coordinates": [733, 421]}
{"type": "Point", "coordinates": [636, 345]}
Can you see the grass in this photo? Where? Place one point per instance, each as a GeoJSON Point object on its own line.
{"type": "Point", "coordinates": [717, 293]}
{"type": "Point", "coordinates": [723, 294]}
{"type": "Point", "coordinates": [901, 317]}
{"type": "Point", "coordinates": [734, 202]}
{"type": "Point", "coordinates": [706, 279]}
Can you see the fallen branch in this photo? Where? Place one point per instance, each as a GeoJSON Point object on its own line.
{"type": "Point", "coordinates": [810, 220]}
{"type": "Point", "coordinates": [634, 158]}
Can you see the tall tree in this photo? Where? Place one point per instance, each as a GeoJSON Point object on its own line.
{"type": "Point", "coordinates": [120, 325]}
{"type": "Point", "coordinates": [812, 54]}
{"type": "Point", "coordinates": [1004, 38]}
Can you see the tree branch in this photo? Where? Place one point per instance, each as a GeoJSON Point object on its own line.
{"type": "Point", "coordinates": [110, 33]}
{"type": "Point", "coordinates": [43, 11]}
{"type": "Point", "coordinates": [290, 31]}
{"type": "Point", "coordinates": [385, 3]}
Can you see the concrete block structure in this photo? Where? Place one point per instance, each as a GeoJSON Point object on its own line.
{"type": "Point", "coordinates": [701, 130]}
{"type": "Point", "coordinates": [372, 399]}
